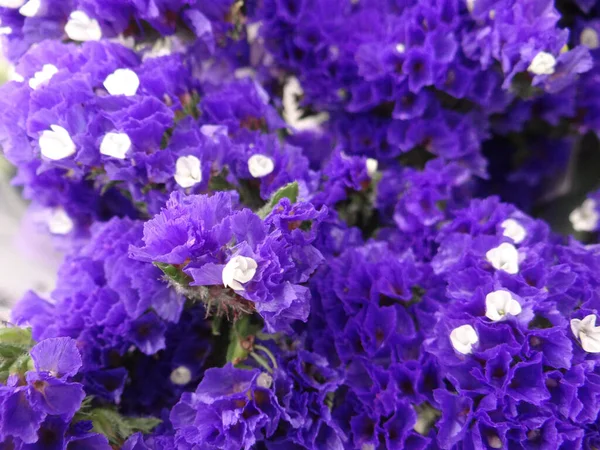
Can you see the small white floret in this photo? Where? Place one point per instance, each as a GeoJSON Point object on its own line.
{"type": "Point", "coordinates": [543, 64]}
{"type": "Point", "coordinates": [115, 145]}
{"type": "Point", "coordinates": [122, 82]}
{"type": "Point", "coordinates": [56, 143]}
{"type": "Point", "coordinates": [181, 376]}
{"type": "Point", "coordinates": [587, 332]}
{"type": "Point", "coordinates": [463, 339]}
{"type": "Point", "coordinates": [11, 3]}
{"type": "Point", "coordinates": [372, 165]}
{"type": "Point", "coordinates": [260, 165]}
{"type": "Point", "coordinates": [585, 217]}
{"type": "Point", "coordinates": [31, 8]}
{"type": "Point", "coordinates": [188, 171]}
{"type": "Point", "coordinates": [264, 380]}
{"type": "Point", "coordinates": [499, 304]}
{"type": "Point", "coordinates": [42, 77]}
{"type": "Point", "coordinates": [81, 27]}
{"type": "Point", "coordinates": [239, 269]}
{"type": "Point", "coordinates": [400, 48]}
{"type": "Point", "coordinates": [59, 222]}
{"type": "Point", "coordinates": [514, 230]}
{"type": "Point", "coordinates": [589, 38]}
{"type": "Point", "coordinates": [504, 257]}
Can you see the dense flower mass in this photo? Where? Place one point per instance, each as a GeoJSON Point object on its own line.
{"type": "Point", "coordinates": [305, 224]}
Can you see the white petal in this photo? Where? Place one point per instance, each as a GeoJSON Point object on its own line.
{"type": "Point", "coordinates": [514, 230]}
{"type": "Point", "coordinates": [181, 376]}
{"type": "Point", "coordinates": [115, 144]}
{"type": "Point", "coordinates": [81, 27]}
{"type": "Point", "coordinates": [585, 217]}
{"type": "Point", "coordinates": [239, 269]}
{"type": "Point", "coordinates": [587, 332]}
{"type": "Point", "coordinates": [260, 165]}
{"type": "Point", "coordinates": [31, 8]}
{"type": "Point", "coordinates": [11, 3]}
{"type": "Point", "coordinates": [122, 82]}
{"type": "Point", "coordinates": [589, 38]}
{"type": "Point", "coordinates": [504, 257]}
{"type": "Point", "coordinates": [543, 64]}
{"type": "Point", "coordinates": [59, 222]}
{"type": "Point", "coordinates": [42, 77]}
{"type": "Point", "coordinates": [372, 165]}
{"type": "Point", "coordinates": [470, 5]}
{"type": "Point", "coordinates": [500, 303]}
{"type": "Point", "coordinates": [264, 380]}
{"type": "Point", "coordinates": [56, 144]}
{"type": "Point", "coordinates": [463, 338]}
{"type": "Point", "coordinates": [188, 171]}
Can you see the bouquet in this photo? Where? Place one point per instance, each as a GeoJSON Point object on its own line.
{"type": "Point", "coordinates": [305, 224]}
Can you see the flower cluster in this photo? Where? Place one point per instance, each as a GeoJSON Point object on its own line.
{"type": "Point", "coordinates": [304, 224]}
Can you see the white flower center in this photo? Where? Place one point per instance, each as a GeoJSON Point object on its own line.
{"type": "Point", "coordinates": [188, 171]}
{"type": "Point", "coordinates": [31, 8]}
{"type": "Point", "coordinates": [42, 77]}
{"type": "Point", "coordinates": [587, 332]}
{"type": "Point", "coordinates": [59, 222]}
{"type": "Point", "coordinates": [589, 38]}
{"type": "Point", "coordinates": [122, 82]}
{"type": "Point", "coordinates": [239, 269]}
{"type": "Point", "coordinates": [292, 113]}
{"type": "Point", "coordinates": [372, 165]}
{"type": "Point", "coordinates": [498, 304]}
{"type": "Point", "coordinates": [115, 144]}
{"type": "Point", "coordinates": [543, 64]}
{"type": "Point", "coordinates": [181, 376]}
{"type": "Point", "coordinates": [504, 257]}
{"type": "Point", "coordinates": [400, 48]}
{"type": "Point", "coordinates": [264, 380]}
{"type": "Point", "coordinates": [470, 5]}
{"type": "Point", "coordinates": [56, 143]}
{"type": "Point", "coordinates": [81, 27]}
{"type": "Point", "coordinates": [463, 339]}
{"type": "Point", "coordinates": [260, 165]}
{"type": "Point", "coordinates": [514, 230]}
{"type": "Point", "coordinates": [585, 218]}
{"type": "Point", "coordinates": [13, 75]}
{"type": "Point", "coordinates": [11, 3]}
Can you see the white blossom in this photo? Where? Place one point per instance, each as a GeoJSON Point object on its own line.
{"type": "Point", "coordinates": [115, 145]}
{"type": "Point", "coordinates": [188, 171]}
{"type": "Point", "coordinates": [504, 257]}
{"type": "Point", "coordinates": [59, 222]}
{"type": "Point", "coordinates": [81, 27]}
{"type": "Point", "coordinates": [42, 77]}
{"type": "Point", "coordinates": [56, 144]}
{"type": "Point", "coordinates": [463, 339]}
{"type": "Point", "coordinates": [499, 304]}
{"type": "Point", "coordinates": [122, 82]}
{"type": "Point", "coordinates": [543, 64]}
{"type": "Point", "coordinates": [372, 165]}
{"type": "Point", "coordinates": [514, 230]}
{"type": "Point", "coordinates": [11, 3]}
{"type": "Point", "coordinates": [587, 332]}
{"type": "Point", "coordinates": [239, 269]}
{"type": "Point", "coordinates": [260, 165]}
{"type": "Point", "coordinates": [264, 380]}
{"type": "Point", "coordinates": [31, 8]}
{"type": "Point", "coordinates": [589, 38]}
{"type": "Point", "coordinates": [181, 376]}
{"type": "Point", "coordinates": [585, 217]}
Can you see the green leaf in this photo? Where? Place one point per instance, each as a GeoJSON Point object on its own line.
{"type": "Point", "coordinates": [289, 191]}
{"type": "Point", "coordinates": [174, 273]}
{"type": "Point", "coordinates": [118, 428]}
{"type": "Point", "coordinates": [9, 351]}
{"type": "Point", "coordinates": [16, 336]}
{"type": "Point", "coordinates": [241, 338]}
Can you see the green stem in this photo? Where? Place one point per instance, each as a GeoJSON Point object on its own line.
{"type": "Point", "coordinates": [268, 352]}
{"type": "Point", "coordinates": [261, 361]}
